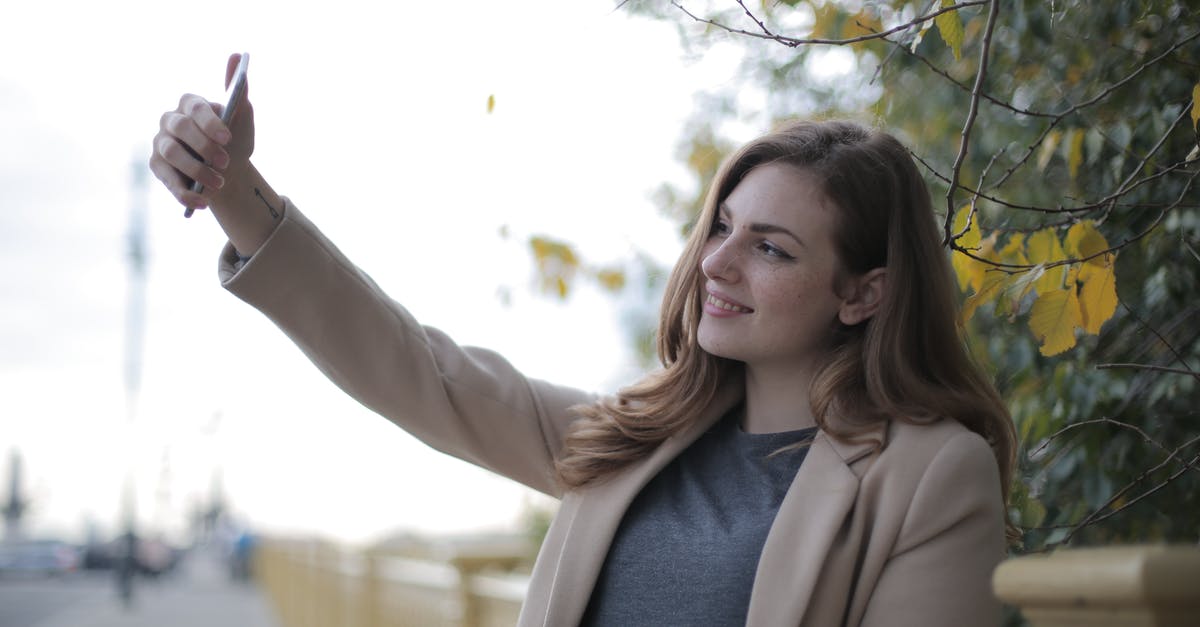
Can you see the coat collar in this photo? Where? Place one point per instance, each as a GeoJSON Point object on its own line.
{"type": "Point", "coordinates": [795, 548]}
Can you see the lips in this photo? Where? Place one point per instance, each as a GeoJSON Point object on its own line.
{"type": "Point", "coordinates": [725, 304]}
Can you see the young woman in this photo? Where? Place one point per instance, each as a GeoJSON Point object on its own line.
{"type": "Point", "coordinates": [817, 449]}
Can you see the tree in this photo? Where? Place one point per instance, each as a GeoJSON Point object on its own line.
{"type": "Point", "coordinates": [1059, 140]}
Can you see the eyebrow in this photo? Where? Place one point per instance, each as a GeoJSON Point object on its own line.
{"type": "Point", "coordinates": [764, 227]}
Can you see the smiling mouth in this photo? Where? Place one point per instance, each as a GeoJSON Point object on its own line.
{"type": "Point", "coordinates": [716, 302]}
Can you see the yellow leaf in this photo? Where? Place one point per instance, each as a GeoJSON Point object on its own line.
{"type": "Point", "coordinates": [1043, 248]}
{"type": "Point", "coordinates": [1021, 286]}
{"type": "Point", "coordinates": [1049, 145]}
{"type": "Point", "coordinates": [1014, 250]}
{"type": "Point", "coordinates": [612, 280]}
{"type": "Point", "coordinates": [1083, 240]}
{"type": "Point", "coordinates": [1053, 320]}
{"type": "Point", "coordinates": [994, 282]}
{"type": "Point", "coordinates": [1097, 295]}
{"type": "Point", "coordinates": [1074, 146]}
{"type": "Point", "coordinates": [561, 285]}
{"type": "Point", "coordinates": [491, 102]}
{"type": "Point", "coordinates": [825, 24]}
{"type": "Point", "coordinates": [865, 22]}
{"type": "Point", "coordinates": [1195, 105]}
{"type": "Point", "coordinates": [969, 271]}
{"type": "Point", "coordinates": [950, 27]}
{"type": "Point", "coordinates": [967, 236]}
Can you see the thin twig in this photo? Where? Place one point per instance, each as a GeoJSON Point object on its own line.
{"type": "Point", "coordinates": [1158, 335]}
{"type": "Point", "coordinates": [1107, 421]}
{"type": "Point", "coordinates": [793, 42]}
{"type": "Point", "coordinates": [993, 11]}
{"type": "Point", "coordinates": [1149, 367]}
{"type": "Point", "coordinates": [1096, 517]}
{"type": "Point", "coordinates": [1087, 103]}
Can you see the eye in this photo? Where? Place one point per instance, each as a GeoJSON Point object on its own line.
{"type": "Point", "coordinates": [719, 227]}
{"type": "Point", "coordinates": [774, 251]}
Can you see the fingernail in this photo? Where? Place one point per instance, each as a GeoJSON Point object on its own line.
{"type": "Point", "coordinates": [221, 161]}
{"type": "Point", "coordinates": [220, 182]}
{"type": "Point", "coordinates": [223, 137]}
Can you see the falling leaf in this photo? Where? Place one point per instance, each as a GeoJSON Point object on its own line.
{"type": "Point", "coordinates": [1053, 319]}
{"type": "Point", "coordinates": [611, 280]}
{"type": "Point", "coordinates": [491, 102]}
{"type": "Point", "coordinates": [1195, 105]}
{"type": "Point", "coordinates": [1074, 146]}
{"type": "Point", "coordinates": [1049, 145]}
{"type": "Point", "coordinates": [950, 26]}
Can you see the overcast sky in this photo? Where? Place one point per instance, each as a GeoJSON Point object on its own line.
{"type": "Point", "coordinates": [373, 120]}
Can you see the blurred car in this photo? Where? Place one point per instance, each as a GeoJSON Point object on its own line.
{"type": "Point", "coordinates": [152, 557]}
{"type": "Point", "coordinates": [38, 558]}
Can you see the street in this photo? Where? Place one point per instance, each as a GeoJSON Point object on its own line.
{"type": "Point", "coordinates": [200, 594]}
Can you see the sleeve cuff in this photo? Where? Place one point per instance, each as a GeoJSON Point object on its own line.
{"type": "Point", "coordinates": [231, 261]}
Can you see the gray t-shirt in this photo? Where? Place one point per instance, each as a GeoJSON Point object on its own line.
{"type": "Point", "coordinates": [688, 547]}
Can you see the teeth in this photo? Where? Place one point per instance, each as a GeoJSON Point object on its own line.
{"type": "Point", "coordinates": [713, 300]}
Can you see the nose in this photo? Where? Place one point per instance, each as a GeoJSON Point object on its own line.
{"type": "Point", "coordinates": [719, 262]}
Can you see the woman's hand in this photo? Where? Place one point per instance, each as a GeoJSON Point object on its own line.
{"type": "Point", "coordinates": [193, 144]}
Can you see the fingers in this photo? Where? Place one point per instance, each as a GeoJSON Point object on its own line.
{"type": "Point", "coordinates": [204, 115]}
{"type": "Point", "coordinates": [177, 167]}
{"type": "Point", "coordinates": [188, 147]}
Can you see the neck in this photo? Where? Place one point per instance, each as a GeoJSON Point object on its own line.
{"type": "Point", "coordinates": [777, 400]}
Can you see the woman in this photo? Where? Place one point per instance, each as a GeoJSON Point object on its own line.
{"type": "Point", "coordinates": [818, 449]}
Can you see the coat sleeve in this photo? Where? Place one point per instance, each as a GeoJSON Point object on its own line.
{"type": "Point", "coordinates": [468, 402]}
{"type": "Point", "coordinates": [952, 538]}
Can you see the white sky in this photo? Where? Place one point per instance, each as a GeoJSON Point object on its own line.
{"type": "Point", "coordinates": [372, 118]}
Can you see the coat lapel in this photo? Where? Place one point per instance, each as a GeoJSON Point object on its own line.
{"type": "Point", "coordinates": [592, 517]}
{"type": "Point", "coordinates": [812, 513]}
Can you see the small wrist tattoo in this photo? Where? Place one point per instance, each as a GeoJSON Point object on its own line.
{"type": "Point", "coordinates": [274, 213]}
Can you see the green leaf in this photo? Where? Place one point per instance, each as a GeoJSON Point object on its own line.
{"type": "Point", "coordinates": [951, 29]}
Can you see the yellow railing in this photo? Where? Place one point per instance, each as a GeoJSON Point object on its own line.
{"type": "Point", "coordinates": [318, 584]}
{"type": "Point", "coordinates": [1127, 586]}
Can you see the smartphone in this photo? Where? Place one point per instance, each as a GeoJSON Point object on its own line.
{"type": "Point", "coordinates": [233, 95]}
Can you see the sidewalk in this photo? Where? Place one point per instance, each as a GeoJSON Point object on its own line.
{"type": "Point", "coordinates": [200, 595]}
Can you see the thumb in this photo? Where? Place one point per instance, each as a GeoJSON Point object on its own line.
{"type": "Point", "coordinates": [232, 66]}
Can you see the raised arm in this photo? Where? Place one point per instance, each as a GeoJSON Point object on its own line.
{"type": "Point", "coordinates": [467, 402]}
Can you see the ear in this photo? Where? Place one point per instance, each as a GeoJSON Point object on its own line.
{"type": "Point", "coordinates": [866, 294]}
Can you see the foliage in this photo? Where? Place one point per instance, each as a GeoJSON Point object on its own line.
{"type": "Point", "coordinates": [1056, 142]}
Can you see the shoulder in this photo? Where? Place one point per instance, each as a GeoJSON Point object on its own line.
{"type": "Point", "coordinates": [945, 474]}
{"type": "Point", "coordinates": [918, 444]}
{"type": "Point", "coordinates": [944, 454]}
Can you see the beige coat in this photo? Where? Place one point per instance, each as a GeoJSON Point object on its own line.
{"type": "Point", "coordinates": [907, 536]}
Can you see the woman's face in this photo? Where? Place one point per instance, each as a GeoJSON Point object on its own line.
{"type": "Point", "coordinates": [769, 266]}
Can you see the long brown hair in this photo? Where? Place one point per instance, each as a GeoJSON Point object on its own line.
{"type": "Point", "coordinates": [907, 362]}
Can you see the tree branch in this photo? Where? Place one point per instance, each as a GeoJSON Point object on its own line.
{"type": "Point", "coordinates": [993, 11]}
{"type": "Point", "coordinates": [1151, 367]}
{"type": "Point", "coordinates": [793, 42]}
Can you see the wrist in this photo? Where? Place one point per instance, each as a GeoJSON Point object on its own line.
{"type": "Point", "coordinates": [247, 209]}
